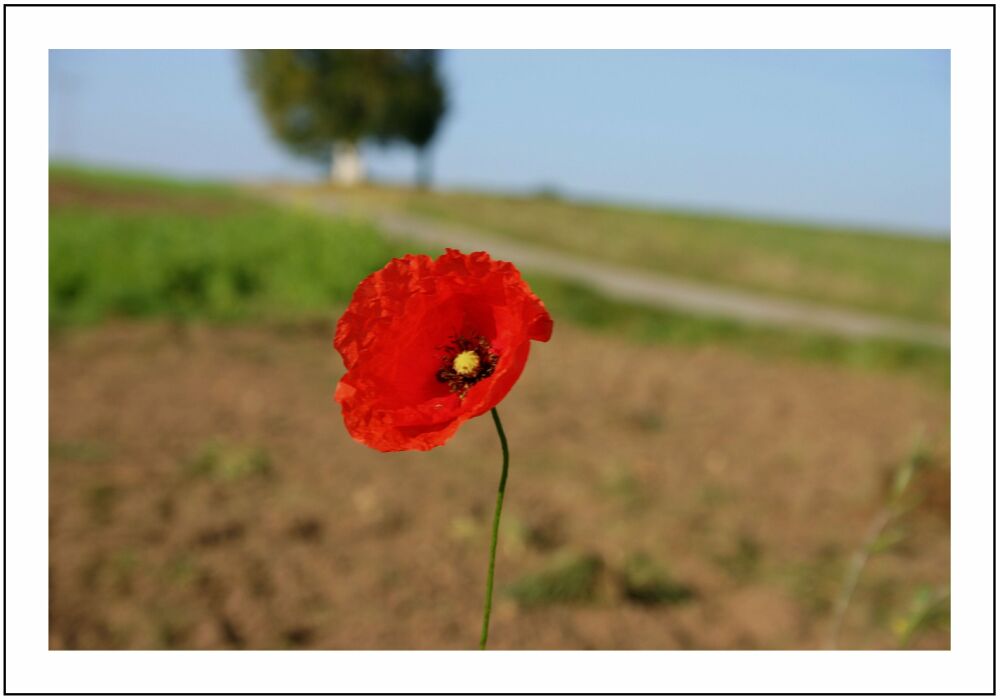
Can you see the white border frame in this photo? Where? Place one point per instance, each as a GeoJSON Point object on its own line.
{"type": "Point", "coordinates": [32, 31]}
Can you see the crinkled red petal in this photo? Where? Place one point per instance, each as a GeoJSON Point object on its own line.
{"type": "Point", "coordinates": [391, 337]}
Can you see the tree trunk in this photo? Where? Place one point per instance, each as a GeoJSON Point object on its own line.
{"type": "Point", "coordinates": [347, 168]}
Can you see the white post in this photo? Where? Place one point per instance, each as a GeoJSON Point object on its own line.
{"type": "Point", "coordinates": [347, 169]}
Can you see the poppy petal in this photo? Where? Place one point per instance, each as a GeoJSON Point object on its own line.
{"type": "Point", "coordinates": [392, 340]}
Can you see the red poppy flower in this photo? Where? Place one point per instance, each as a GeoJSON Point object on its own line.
{"type": "Point", "coordinates": [429, 344]}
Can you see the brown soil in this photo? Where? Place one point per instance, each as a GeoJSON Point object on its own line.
{"type": "Point", "coordinates": [204, 494]}
{"type": "Point", "coordinates": [69, 193]}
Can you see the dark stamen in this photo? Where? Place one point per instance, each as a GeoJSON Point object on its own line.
{"type": "Point", "coordinates": [460, 383]}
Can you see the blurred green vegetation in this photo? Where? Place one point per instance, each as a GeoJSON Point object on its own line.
{"type": "Point", "coordinates": [646, 581]}
{"type": "Point", "coordinates": [148, 247]}
{"type": "Point", "coordinates": [929, 609]}
{"type": "Point", "coordinates": [893, 274]}
{"type": "Point", "coordinates": [137, 246]}
{"type": "Point", "coordinates": [645, 324]}
{"type": "Point", "coordinates": [576, 577]}
{"type": "Point", "coordinates": [81, 451]}
{"type": "Point", "coordinates": [223, 461]}
{"type": "Point", "coordinates": [569, 577]}
{"type": "Point", "coordinates": [105, 181]}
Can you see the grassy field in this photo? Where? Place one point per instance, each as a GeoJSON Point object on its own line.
{"type": "Point", "coordinates": [135, 247]}
{"type": "Point", "coordinates": [676, 481]}
{"type": "Point", "coordinates": [126, 246]}
{"type": "Point", "coordinates": [894, 275]}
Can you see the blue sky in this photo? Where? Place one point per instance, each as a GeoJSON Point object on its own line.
{"type": "Point", "coordinates": [843, 137]}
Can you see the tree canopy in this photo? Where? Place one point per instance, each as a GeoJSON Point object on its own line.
{"type": "Point", "coordinates": [313, 98]}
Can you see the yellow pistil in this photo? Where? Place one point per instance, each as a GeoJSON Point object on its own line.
{"type": "Point", "coordinates": [466, 363]}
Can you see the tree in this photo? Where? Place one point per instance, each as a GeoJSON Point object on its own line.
{"type": "Point", "coordinates": [419, 104]}
{"type": "Point", "coordinates": [322, 102]}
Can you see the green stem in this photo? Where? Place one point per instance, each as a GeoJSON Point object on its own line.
{"type": "Point", "coordinates": [496, 530]}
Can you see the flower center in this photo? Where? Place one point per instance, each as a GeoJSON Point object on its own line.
{"type": "Point", "coordinates": [466, 362]}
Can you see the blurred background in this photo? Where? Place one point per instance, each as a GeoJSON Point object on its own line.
{"type": "Point", "coordinates": [737, 438]}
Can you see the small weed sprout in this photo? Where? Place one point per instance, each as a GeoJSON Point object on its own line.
{"type": "Point", "coordinates": [881, 537]}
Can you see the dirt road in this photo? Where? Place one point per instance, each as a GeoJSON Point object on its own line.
{"type": "Point", "coordinates": [630, 284]}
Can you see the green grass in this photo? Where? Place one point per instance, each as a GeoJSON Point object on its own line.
{"type": "Point", "coordinates": [646, 581]}
{"type": "Point", "coordinates": [585, 307]}
{"type": "Point", "coordinates": [136, 247]}
{"type": "Point", "coordinates": [892, 274]}
{"type": "Point", "coordinates": [568, 578]}
{"type": "Point", "coordinates": [238, 260]}
{"type": "Point", "coordinates": [576, 577]}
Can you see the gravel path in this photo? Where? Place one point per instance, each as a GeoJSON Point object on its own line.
{"type": "Point", "coordinates": [649, 288]}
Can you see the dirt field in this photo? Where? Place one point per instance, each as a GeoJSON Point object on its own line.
{"type": "Point", "coordinates": [204, 494]}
